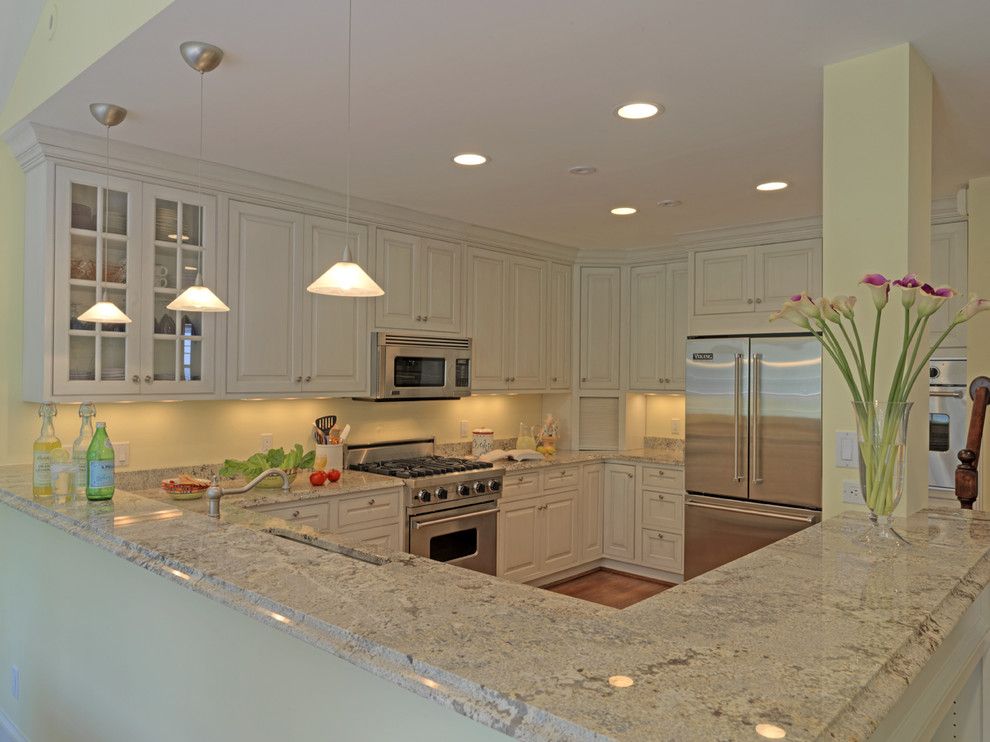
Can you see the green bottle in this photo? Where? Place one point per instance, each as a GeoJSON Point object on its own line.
{"type": "Point", "coordinates": [99, 466]}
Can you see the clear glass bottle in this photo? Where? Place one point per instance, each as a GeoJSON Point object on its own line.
{"type": "Point", "coordinates": [87, 411]}
{"type": "Point", "coordinates": [41, 456]}
{"type": "Point", "coordinates": [99, 466]}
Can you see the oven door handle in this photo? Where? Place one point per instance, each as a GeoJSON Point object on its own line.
{"type": "Point", "coordinates": [944, 393]}
{"type": "Point", "coordinates": [452, 518]}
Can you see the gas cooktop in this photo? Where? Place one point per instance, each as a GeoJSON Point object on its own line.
{"type": "Point", "coordinates": [420, 466]}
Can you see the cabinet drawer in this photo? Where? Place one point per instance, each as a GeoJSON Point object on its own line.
{"type": "Point", "coordinates": [378, 537]}
{"type": "Point", "coordinates": [663, 510]}
{"type": "Point", "coordinates": [521, 485]}
{"type": "Point", "coordinates": [315, 515]}
{"type": "Point", "coordinates": [367, 507]}
{"type": "Point", "coordinates": [663, 550]}
{"type": "Point", "coordinates": [566, 478]}
{"type": "Point", "coordinates": [664, 478]}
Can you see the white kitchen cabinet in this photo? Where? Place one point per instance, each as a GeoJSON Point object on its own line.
{"type": "Point", "coordinates": [658, 326]}
{"type": "Point", "coordinates": [662, 511]}
{"type": "Point", "coordinates": [488, 277]}
{"type": "Point", "coordinates": [519, 538]}
{"type": "Point", "coordinates": [755, 279]}
{"type": "Point", "coordinates": [620, 512]}
{"type": "Point", "coordinates": [590, 512]}
{"type": "Point", "coordinates": [315, 515]}
{"type": "Point", "coordinates": [600, 321]}
{"type": "Point", "coordinates": [526, 340]}
{"type": "Point", "coordinates": [560, 540]}
{"type": "Point", "coordinates": [422, 281]}
{"type": "Point", "coordinates": [280, 338]}
{"type": "Point", "coordinates": [559, 324]}
{"type": "Point", "coordinates": [388, 536]}
{"type": "Point", "coordinates": [663, 550]}
{"type": "Point", "coordinates": [678, 309]}
{"type": "Point", "coordinates": [950, 267]}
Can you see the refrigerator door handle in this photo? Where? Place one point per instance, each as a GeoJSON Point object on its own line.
{"type": "Point", "coordinates": [744, 511]}
{"type": "Point", "coordinates": [736, 415]}
{"type": "Point", "coordinates": [755, 450]}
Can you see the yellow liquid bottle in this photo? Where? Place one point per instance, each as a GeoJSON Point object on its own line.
{"type": "Point", "coordinates": [41, 457]}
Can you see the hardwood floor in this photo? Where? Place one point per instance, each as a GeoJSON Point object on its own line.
{"type": "Point", "coordinates": [613, 589]}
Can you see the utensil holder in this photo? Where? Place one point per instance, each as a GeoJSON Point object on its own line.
{"type": "Point", "coordinates": [333, 455]}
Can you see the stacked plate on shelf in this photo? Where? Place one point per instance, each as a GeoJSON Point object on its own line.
{"type": "Point", "coordinates": [112, 374]}
{"type": "Point", "coordinates": [81, 375]}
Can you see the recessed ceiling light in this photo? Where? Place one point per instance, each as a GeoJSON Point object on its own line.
{"type": "Point", "coordinates": [773, 185]}
{"type": "Point", "coordinates": [582, 170]}
{"type": "Point", "coordinates": [623, 210]}
{"type": "Point", "coordinates": [470, 159]}
{"type": "Point", "coordinates": [668, 203]}
{"type": "Point", "coordinates": [638, 110]}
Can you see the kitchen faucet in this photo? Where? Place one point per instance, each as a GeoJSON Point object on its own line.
{"type": "Point", "coordinates": [215, 491]}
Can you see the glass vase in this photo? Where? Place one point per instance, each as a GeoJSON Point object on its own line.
{"type": "Point", "coordinates": [883, 431]}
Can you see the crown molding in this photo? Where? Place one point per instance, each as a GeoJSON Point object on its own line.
{"type": "Point", "coordinates": [34, 143]}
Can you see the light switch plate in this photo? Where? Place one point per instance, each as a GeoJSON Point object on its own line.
{"type": "Point", "coordinates": [852, 493]}
{"type": "Point", "coordinates": [121, 454]}
{"type": "Point", "coordinates": [675, 426]}
{"type": "Point", "coordinates": [265, 442]}
{"type": "Point", "coordinates": [465, 428]}
{"type": "Point", "coordinates": [846, 450]}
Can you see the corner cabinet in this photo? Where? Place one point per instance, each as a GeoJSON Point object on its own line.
{"type": "Point", "coordinates": [559, 324]}
{"type": "Point", "coordinates": [950, 267]}
{"type": "Point", "coordinates": [138, 245]}
{"type": "Point", "coordinates": [658, 326]}
{"type": "Point", "coordinates": [280, 338]}
{"type": "Point", "coordinates": [600, 320]}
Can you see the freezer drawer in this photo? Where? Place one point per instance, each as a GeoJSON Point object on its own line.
{"type": "Point", "coordinates": [719, 530]}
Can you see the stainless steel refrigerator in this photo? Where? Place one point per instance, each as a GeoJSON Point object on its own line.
{"type": "Point", "coordinates": [753, 444]}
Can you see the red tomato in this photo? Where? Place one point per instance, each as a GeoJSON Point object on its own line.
{"type": "Point", "coordinates": [317, 478]}
{"type": "Point", "coordinates": [333, 475]}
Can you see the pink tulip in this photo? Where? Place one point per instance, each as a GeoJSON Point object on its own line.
{"type": "Point", "coordinates": [879, 287]}
{"type": "Point", "coordinates": [974, 307]}
{"type": "Point", "coordinates": [931, 299]}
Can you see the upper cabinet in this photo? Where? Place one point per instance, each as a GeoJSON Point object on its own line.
{"type": "Point", "coordinates": [422, 279]}
{"type": "Point", "coordinates": [280, 338]}
{"type": "Point", "coordinates": [488, 296]}
{"type": "Point", "coordinates": [950, 268]}
{"type": "Point", "coordinates": [559, 323]}
{"type": "Point", "coordinates": [658, 326]}
{"type": "Point", "coordinates": [600, 337]}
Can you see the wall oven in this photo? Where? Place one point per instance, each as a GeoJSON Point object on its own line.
{"type": "Point", "coordinates": [947, 420]}
{"type": "Point", "coordinates": [408, 367]}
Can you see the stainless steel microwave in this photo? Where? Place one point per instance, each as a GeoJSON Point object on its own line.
{"type": "Point", "coordinates": [410, 367]}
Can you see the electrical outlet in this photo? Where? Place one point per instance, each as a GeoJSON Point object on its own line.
{"type": "Point", "coordinates": [465, 428]}
{"type": "Point", "coordinates": [265, 442]}
{"type": "Point", "coordinates": [15, 682]}
{"type": "Point", "coordinates": [852, 493]}
{"type": "Point", "coordinates": [121, 454]}
{"type": "Point", "coordinates": [675, 426]}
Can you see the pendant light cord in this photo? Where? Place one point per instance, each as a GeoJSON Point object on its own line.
{"type": "Point", "coordinates": [106, 217]}
{"type": "Point", "coordinates": [202, 129]}
{"type": "Point", "coordinates": [347, 139]}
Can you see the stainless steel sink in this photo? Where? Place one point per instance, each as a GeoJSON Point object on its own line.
{"type": "Point", "coordinates": [317, 543]}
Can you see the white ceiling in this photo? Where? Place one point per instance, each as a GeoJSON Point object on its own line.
{"type": "Point", "coordinates": [533, 85]}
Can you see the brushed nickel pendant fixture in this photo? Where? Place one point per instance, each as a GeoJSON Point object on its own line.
{"type": "Point", "coordinates": [346, 277]}
{"type": "Point", "coordinates": [203, 58]}
{"type": "Point", "coordinates": [105, 311]}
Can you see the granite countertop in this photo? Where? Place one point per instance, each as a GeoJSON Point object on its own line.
{"type": "Point", "coordinates": [664, 457]}
{"type": "Point", "coordinates": [816, 633]}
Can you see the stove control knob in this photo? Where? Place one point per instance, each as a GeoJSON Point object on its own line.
{"type": "Point", "coordinates": [424, 496]}
{"type": "Point", "coordinates": [441, 493]}
{"type": "Point", "coordinates": [463, 490]}
{"type": "Point", "coordinates": [479, 488]}
{"type": "Point", "coordinates": [494, 485]}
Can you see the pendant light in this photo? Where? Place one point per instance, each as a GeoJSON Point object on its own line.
{"type": "Point", "coordinates": [203, 58]}
{"type": "Point", "coordinates": [105, 311]}
{"type": "Point", "coordinates": [345, 277]}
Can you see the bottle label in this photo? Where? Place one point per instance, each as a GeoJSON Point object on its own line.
{"type": "Point", "coordinates": [42, 469]}
{"type": "Point", "coordinates": [100, 474]}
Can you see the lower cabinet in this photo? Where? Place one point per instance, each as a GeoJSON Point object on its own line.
{"type": "Point", "coordinates": [663, 550]}
{"type": "Point", "coordinates": [620, 512]}
{"type": "Point", "coordinates": [590, 511]}
{"type": "Point", "coordinates": [538, 535]}
{"type": "Point", "coordinates": [388, 536]}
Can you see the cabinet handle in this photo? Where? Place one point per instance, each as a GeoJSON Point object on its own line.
{"type": "Point", "coordinates": [749, 301]}
{"type": "Point", "coordinates": [660, 473]}
{"type": "Point", "coordinates": [659, 535]}
{"type": "Point", "coordinates": [147, 379]}
{"type": "Point", "coordinates": [660, 497]}
{"type": "Point", "coordinates": [629, 475]}
{"type": "Point", "coordinates": [308, 379]}
{"type": "Point", "coordinates": [298, 379]}
{"type": "Point", "coordinates": [371, 501]}
{"type": "Point", "coordinates": [295, 513]}
{"type": "Point", "coordinates": [666, 381]}
{"type": "Point", "coordinates": [584, 378]}
{"type": "Point", "coordinates": [759, 300]}
{"type": "Point", "coordinates": [426, 318]}
{"type": "Point", "coordinates": [136, 379]}
{"type": "Point", "coordinates": [563, 473]}
{"type": "Point", "coordinates": [512, 378]}
{"type": "Point", "coordinates": [554, 378]}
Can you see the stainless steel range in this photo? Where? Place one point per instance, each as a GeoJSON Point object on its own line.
{"type": "Point", "coordinates": [451, 503]}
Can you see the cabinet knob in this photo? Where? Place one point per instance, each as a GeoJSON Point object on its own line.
{"type": "Point", "coordinates": [659, 535]}
{"type": "Point", "coordinates": [295, 513]}
{"type": "Point", "coordinates": [371, 501]}
{"type": "Point", "coordinates": [629, 475]}
{"type": "Point", "coordinates": [584, 378]}
{"type": "Point", "coordinates": [426, 318]}
{"type": "Point", "coordinates": [136, 379]}
{"type": "Point", "coordinates": [749, 301]}
{"type": "Point", "coordinates": [759, 300]}
{"type": "Point", "coordinates": [147, 379]}
{"type": "Point", "coordinates": [419, 317]}
{"type": "Point", "coordinates": [554, 378]}
{"type": "Point", "coordinates": [660, 497]}
{"type": "Point", "coordinates": [298, 379]}
{"type": "Point", "coordinates": [309, 379]}
{"type": "Point", "coordinates": [512, 378]}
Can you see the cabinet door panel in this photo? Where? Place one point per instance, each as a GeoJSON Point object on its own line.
{"type": "Point", "coordinates": [785, 270]}
{"type": "Point", "coordinates": [677, 311]}
{"type": "Point", "coordinates": [397, 274]}
{"type": "Point", "coordinates": [648, 327]}
{"type": "Point", "coordinates": [723, 281]}
{"type": "Point", "coordinates": [663, 550]}
{"type": "Point", "coordinates": [949, 268]}
{"type": "Point", "coordinates": [335, 328]}
{"type": "Point", "coordinates": [527, 324]}
{"type": "Point", "coordinates": [663, 511]}
{"type": "Point", "coordinates": [591, 512]}
{"type": "Point", "coordinates": [440, 293]}
{"type": "Point", "coordinates": [560, 531]}
{"type": "Point", "coordinates": [600, 342]}
{"type": "Point", "coordinates": [487, 275]}
{"type": "Point", "coordinates": [559, 340]}
{"type": "Point", "coordinates": [378, 537]}
{"type": "Point", "coordinates": [620, 512]}
{"type": "Point", "coordinates": [518, 539]}
{"type": "Point", "coordinates": [265, 292]}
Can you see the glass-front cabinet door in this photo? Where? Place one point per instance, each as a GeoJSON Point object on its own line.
{"type": "Point", "coordinates": [97, 256]}
{"type": "Point", "coordinates": [178, 348]}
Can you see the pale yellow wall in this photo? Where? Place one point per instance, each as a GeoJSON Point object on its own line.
{"type": "Point", "coordinates": [979, 283]}
{"type": "Point", "coordinates": [876, 192]}
{"type": "Point", "coordinates": [660, 410]}
{"type": "Point", "coordinates": [108, 651]}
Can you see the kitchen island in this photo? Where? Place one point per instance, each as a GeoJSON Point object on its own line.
{"type": "Point", "coordinates": [815, 635]}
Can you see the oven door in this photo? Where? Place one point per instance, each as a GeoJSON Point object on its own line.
{"type": "Point", "coordinates": [946, 434]}
{"type": "Point", "coordinates": [463, 536]}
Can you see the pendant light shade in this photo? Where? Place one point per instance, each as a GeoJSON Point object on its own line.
{"type": "Point", "coordinates": [197, 298]}
{"type": "Point", "coordinates": [106, 312]}
{"type": "Point", "coordinates": [345, 278]}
